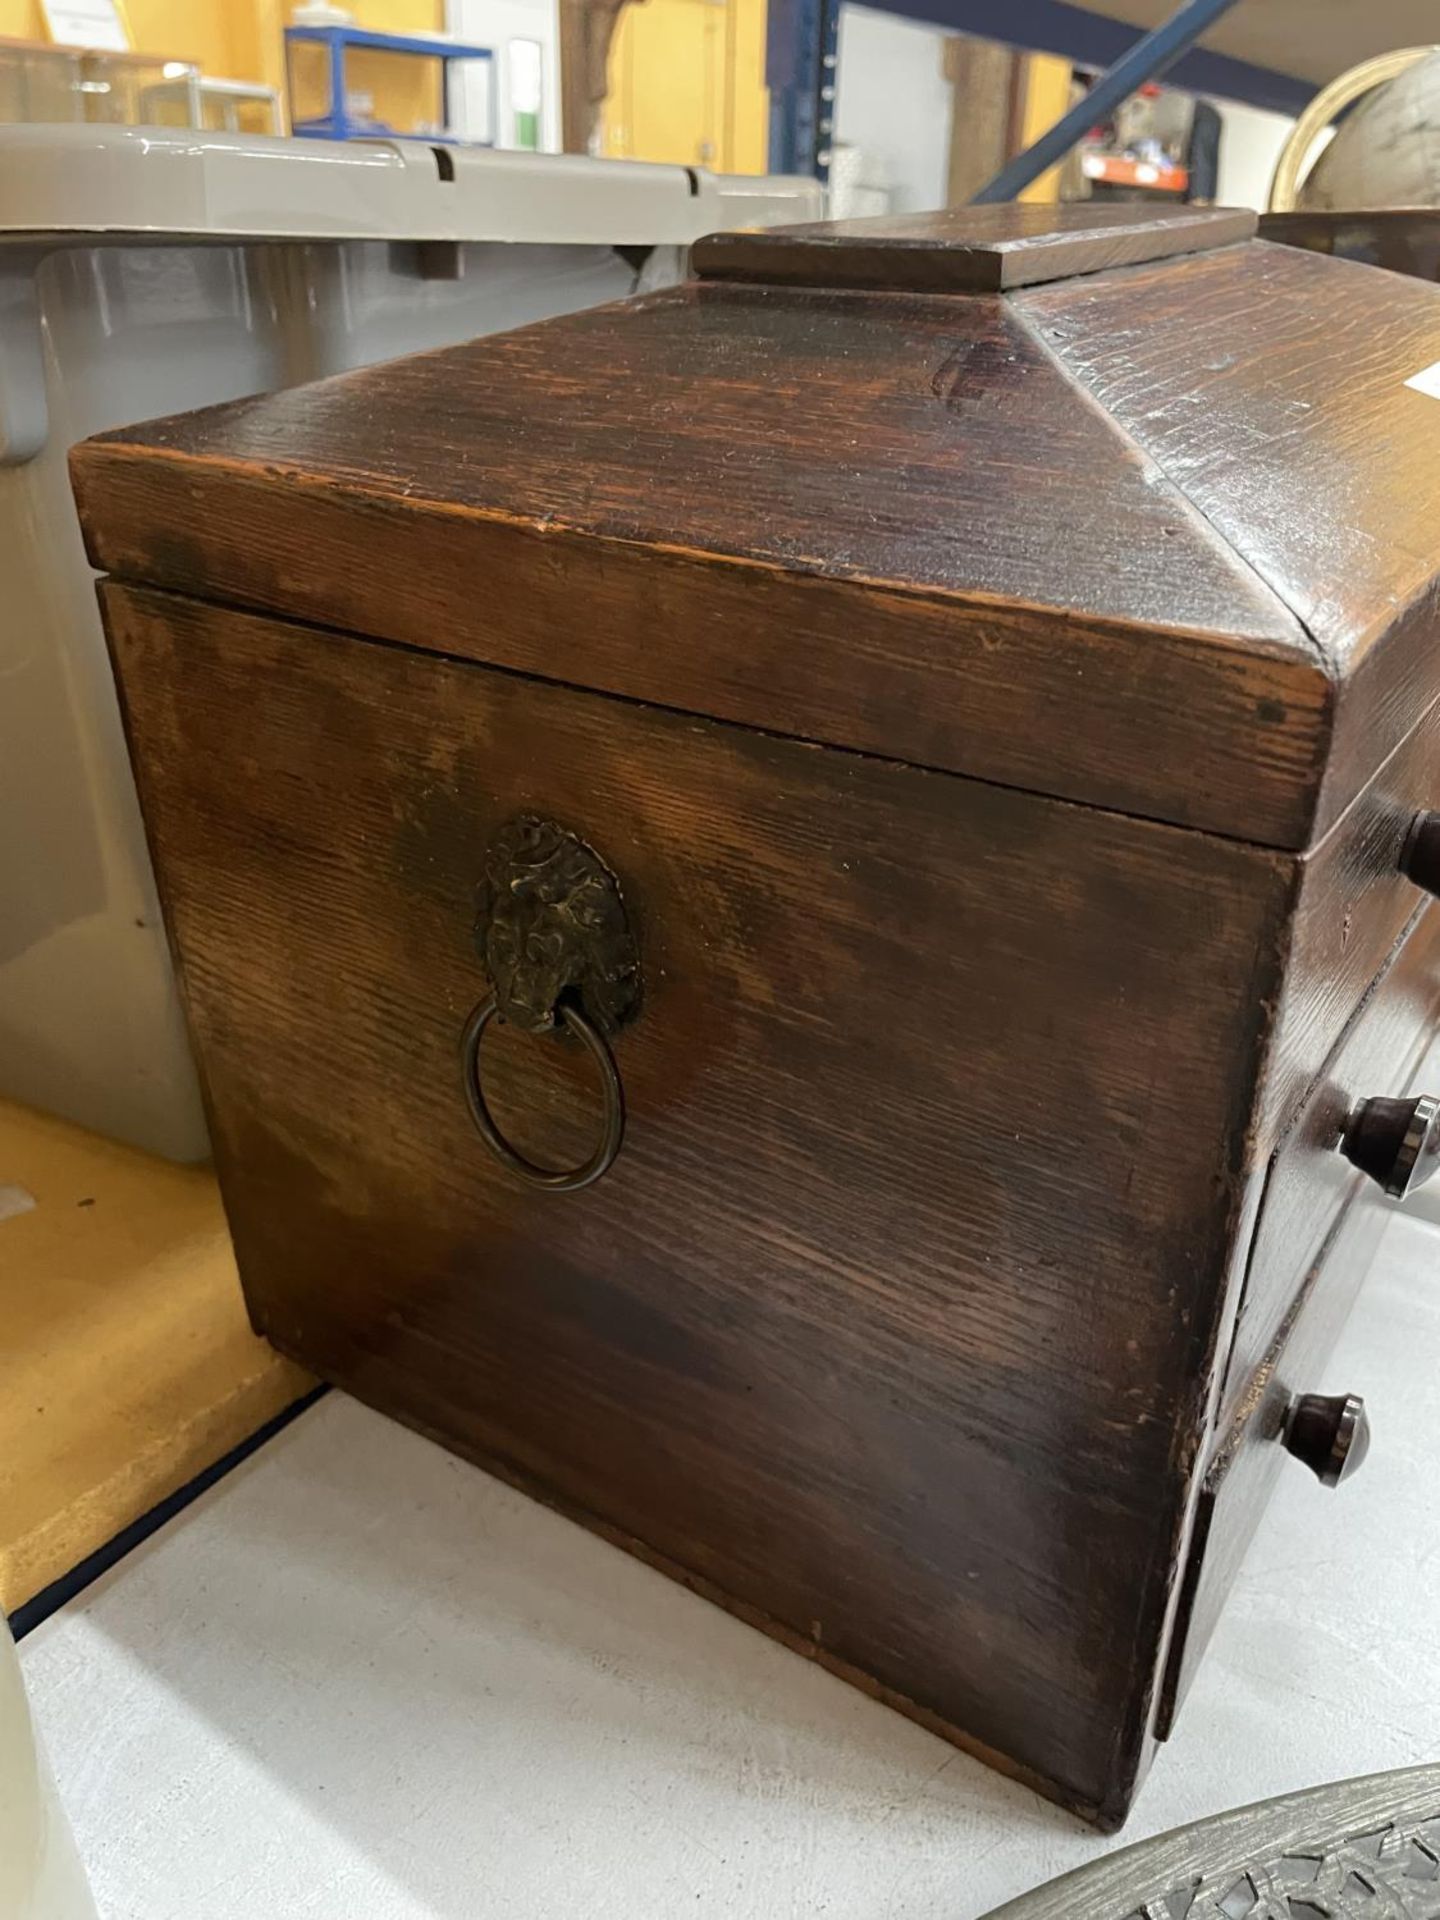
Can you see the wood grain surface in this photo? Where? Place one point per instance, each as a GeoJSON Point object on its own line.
{"type": "Point", "coordinates": [1249, 1459]}
{"type": "Point", "coordinates": [918, 526]}
{"type": "Point", "coordinates": [893, 525]}
{"type": "Point", "coordinates": [1269, 385]}
{"type": "Point", "coordinates": [891, 1322]}
{"type": "Point", "coordinates": [968, 249]}
{"type": "Point", "coordinates": [1309, 1182]}
{"type": "Point", "coordinates": [970, 1128]}
{"type": "Point", "coordinates": [1352, 906]}
{"type": "Point", "coordinates": [1400, 239]}
{"type": "Point", "coordinates": [1319, 1223]}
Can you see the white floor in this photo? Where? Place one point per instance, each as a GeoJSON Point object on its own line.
{"type": "Point", "coordinates": [362, 1681]}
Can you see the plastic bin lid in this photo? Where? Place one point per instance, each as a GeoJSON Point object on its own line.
{"type": "Point", "coordinates": [158, 183]}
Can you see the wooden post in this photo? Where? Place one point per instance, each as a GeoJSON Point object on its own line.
{"type": "Point", "coordinates": [984, 79]}
{"type": "Point", "coordinates": [586, 30]}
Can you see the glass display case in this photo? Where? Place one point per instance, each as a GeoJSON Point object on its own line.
{"type": "Point", "coordinates": [52, 85]}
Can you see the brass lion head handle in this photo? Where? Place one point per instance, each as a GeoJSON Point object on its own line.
{"type": "Point", "coordinates": [550, 928]}
{"type": "Point", "coordinates": [553, 937]}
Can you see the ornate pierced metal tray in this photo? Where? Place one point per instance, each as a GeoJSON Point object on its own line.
{"type": "Point", "coordinates": [1362, 1850]}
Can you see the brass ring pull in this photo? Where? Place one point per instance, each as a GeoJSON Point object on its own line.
{"type": "Point", "coordinates": [554, 1180]}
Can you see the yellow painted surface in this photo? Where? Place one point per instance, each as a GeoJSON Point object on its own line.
{"type": "Point", "coordinates": [687, 85]}
{"type": "Point", "coordinates": [1046, 98]}
{"type": "Point", "coordinates": [199, 30]}
{"type": "Point", "coordinates": [242, 40]}
{"type": "Point", "coordinates": [127, 1365]}
{"type": "Point", "coordinates": [749, 96]}
{"type": "Point", "coordinates": [22, 20]}
{"type": "Point", "coordinates": [257, 44]}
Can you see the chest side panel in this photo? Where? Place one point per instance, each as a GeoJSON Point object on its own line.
{"type": "Point", "coordinates": [1354, 903]}
{"type": "Point", "coordinates": [1319, 1224]}
{"type": "Point", "coordinates": [888, 1321]}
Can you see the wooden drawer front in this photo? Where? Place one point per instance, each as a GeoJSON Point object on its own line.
{"type": "Point", "coordinates": [883, 1324]}
{"type": "Point", "coordinates": [1309, 1181]}
{"type": "Point", "coordinates": [1354, 904]}
{"type": "Point", "coordinates": [1317, 1203]}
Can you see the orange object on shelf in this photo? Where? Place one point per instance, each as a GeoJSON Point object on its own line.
{"type": "Point", "coordinates": [1120, 170]}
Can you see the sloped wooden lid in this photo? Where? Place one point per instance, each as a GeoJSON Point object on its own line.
{"type": "Point", "coordinates": [968, 249]}
{"type": "Point", "coordinates": [1402, 239]}
{"type": "Point", "coordinates": [1162, 538]}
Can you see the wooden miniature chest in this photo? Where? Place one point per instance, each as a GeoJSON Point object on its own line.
{"type": "Point", "coordinates": [803, 906]}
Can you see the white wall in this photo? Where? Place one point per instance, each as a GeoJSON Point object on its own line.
{"type": "Point", "coordinates": [1249, 147]}
{"type": "Point", "coordinates": [495, 23]}
{"type": "Point", "coordinates": [893, 102]}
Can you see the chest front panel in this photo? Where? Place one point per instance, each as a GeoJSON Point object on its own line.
{"type": "Point", "coordinates": [888, 1320]}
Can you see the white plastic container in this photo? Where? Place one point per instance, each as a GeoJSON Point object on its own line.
{"type": "Point", "coordinates": [144, 272]}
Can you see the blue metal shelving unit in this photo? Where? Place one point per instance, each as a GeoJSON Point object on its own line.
{"type": "Point", "coordinates": [802, 42]}
{"type": "Point", "coordinates": [800, 70]}
{"type": "Point", "coordinates": [339, 41]}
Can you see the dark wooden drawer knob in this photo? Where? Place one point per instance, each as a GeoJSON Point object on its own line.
{"type": "Point", "coordinates": [1420, 856]}
{"type": "Point", "coordinates": [1330, 1433]}
{"type": "Point", "coordinates": [1397, 1142]}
